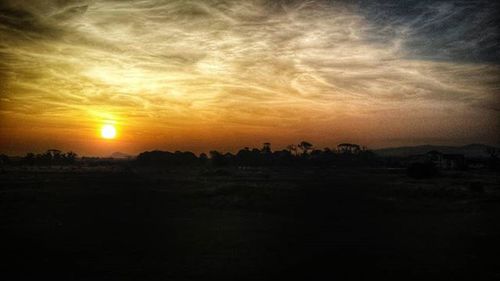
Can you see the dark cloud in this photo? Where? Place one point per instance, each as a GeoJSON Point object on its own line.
{"type": "Point", "coordinates": [22, 24]}
{"type": "Point", "coordinates": [37, 20]}
{"type": "Point", "coordinates": [441, 30]}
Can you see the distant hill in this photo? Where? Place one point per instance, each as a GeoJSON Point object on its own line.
{"type": "Point", "coordinates": [120, 155]}
{"type": "Point", "coordinates": [470, 151]}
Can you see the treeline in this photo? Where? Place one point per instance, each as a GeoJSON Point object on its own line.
{"type": "Point", "coordinates": [50, 157]}
{"type": "Point", "coordinates": [302, 154]}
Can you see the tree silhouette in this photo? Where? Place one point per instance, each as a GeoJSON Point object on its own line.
{"type": "Point", "coordinates": [301, 154]}
{"type": "Point", "coordinates": [266, 148]}
{"type": "Point", "coordinates": [50, 157]}
{"type": "Point", "coordinates": [166, 158]}
{"type": "Point", "coordinates": [70, 157]}
{"type": "Point", "coordinates": [29, 159]}
{"type": "Point", "coordinates": [203, 158]}
{"type": "Point", "coordinates": [348, 148]}
{"type": "Point", "coordinates": [217, 158]}
{"type": "Point", "coordinates": [305, 147]}
{"type": "Point", "coordinates": [292, 148]}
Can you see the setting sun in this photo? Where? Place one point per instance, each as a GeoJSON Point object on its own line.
{"type": "Point", "coordinates": [108, 131]}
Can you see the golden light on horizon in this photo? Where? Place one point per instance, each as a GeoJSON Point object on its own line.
{"type": "Point", "coordinates": [108, 131]}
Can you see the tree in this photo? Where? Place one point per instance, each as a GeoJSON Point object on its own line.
{"type": "Point", "coordinates": [305, 147]}
{"type": "Point", "coordinates": [54, 155]}
{"type": "Point", "coordinates": [217, 158]}
{"type": "Point", "coordinates": [70, 157]}
{"type": "Point", "coordinates": [292, 148]}
{"type": "Point", "coordinates": [283, 157]}
{"type": "Point", "coordinates": [203, 158]}
{"type": "Point", "coordinates": [348, 148]}
{"type": "Point", "coordinates": [266, 148]}
{"type": "Point", "coordinates": [29, 159]}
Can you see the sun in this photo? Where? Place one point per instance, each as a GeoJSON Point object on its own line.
{"type": "Point", "coordinates": [108, 132]}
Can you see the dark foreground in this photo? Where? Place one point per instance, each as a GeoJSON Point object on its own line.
{"type": "Point", "coordinates": [259, 224]}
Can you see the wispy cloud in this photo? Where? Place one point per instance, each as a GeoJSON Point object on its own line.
{"type": "Point", "coordinates": [296, 65]}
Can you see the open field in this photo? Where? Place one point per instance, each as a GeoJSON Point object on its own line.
{"type": "Point", "coordinates": [129, 223]}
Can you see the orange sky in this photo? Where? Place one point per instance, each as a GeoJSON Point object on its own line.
{"type": "Point", "coordinates": [198, 75]}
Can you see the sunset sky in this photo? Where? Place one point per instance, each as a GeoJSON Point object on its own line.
{"type": "Point", "coordinates": [202, 75]}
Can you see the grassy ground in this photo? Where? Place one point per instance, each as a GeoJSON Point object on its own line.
{"type": "Point", "coordinates": [253, 224]}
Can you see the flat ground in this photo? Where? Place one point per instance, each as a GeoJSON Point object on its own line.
{"type": "Point", "coordinates": [119, 223]}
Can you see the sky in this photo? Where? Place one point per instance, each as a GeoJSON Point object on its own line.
{"type": "Point", "coordinates": [203, 75]}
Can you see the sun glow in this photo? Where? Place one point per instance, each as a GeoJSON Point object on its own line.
{"type": "Point", "coordinates": [108, 132]}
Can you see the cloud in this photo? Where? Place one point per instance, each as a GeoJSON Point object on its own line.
{"type": "Point", "coordinates": [441, 30]}
{"type": "Point", "coordinates": [253, 64]}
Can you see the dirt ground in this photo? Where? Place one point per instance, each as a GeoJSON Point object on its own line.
{"type": "Point", "coordinates": [129, 223]}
